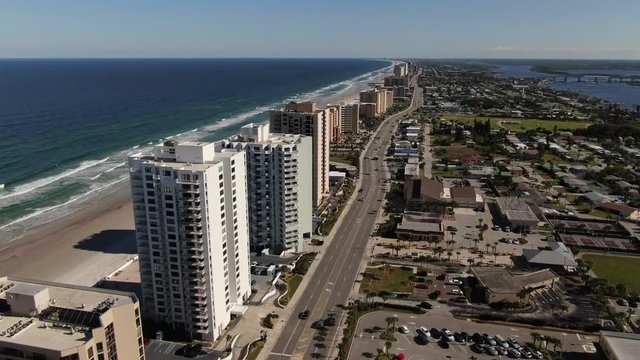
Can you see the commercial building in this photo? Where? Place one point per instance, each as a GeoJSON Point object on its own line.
{"type": "Point", "coordinates": [349, 118]}
{"type": "Point", "coordinates": [421, 226]}
{"type": "Point", "coordinates": [51, 321]}
{"type": "Point", "coordinates": [280, 187]}
{"type": "Point", "coordinates": [517, 213]}
{"type": "Point", "coordinates": [307, 119]}
{"type": "Point", "coordinates": [190, 208]}
{"type": "Point", "coordinates": [501, 284]}
{"type": "Point", "coordinates": [619, 346]}
{"type": "Point", "coordinates": [556, 257]}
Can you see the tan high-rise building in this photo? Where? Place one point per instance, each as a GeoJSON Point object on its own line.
{"type": "Point", "coordinates": [349, 118]}
{"type": "Point", "coordinates": [379, 96]}
{"type": "Point", "coordinates": [306, 119]}
{"type": "Point", "coordinates": [51, 321]}
{"type": "Point", "coordinates": [335, 125]}
{"type": "Point", "coordinates": [401, 69]}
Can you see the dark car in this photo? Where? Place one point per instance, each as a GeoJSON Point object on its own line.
{"type": "Point", "coordinates": [422, 286]}
{"type": "Point", "coordinates": [194, 351]}
{"type": "Point", "coordinates": [435, 333]}
{"type": "Point", "coordinates": [425, 305]}
{"type": "Point", "coordinates": [421, 339]}
{"type": "Point", "coordinates": [304, 315]}
{"type": "Point", "coordinates": [477, 338]}
{"type": "Point", "coordinates": [458, 338]}
{"type": "Point", "coordinates": [330, 321]}
{"type": "Point", "coordinates": [465, 336]}
{"type": "Point", "coordinates": [318, 324]}
{"type": "Point", "coordinates": [444, 343]}
{"type": "Point", "coordinates": [477, 347]}
{"type": "Point", "coordinates": [442, 276]}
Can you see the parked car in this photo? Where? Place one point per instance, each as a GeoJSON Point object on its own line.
{"type": "Point", "coordinates": [443, 343]}
{"type": "Point", "coordinates": [422, 286]}
{"type": "Point", "coordinates": [330, 321]}
{"type": "Point", "coordinates": [403, 329]}
{"type": "Point", "coordinates": [457, 292]}
{"type": "Point", "coordinates": [447, 334]}
{"type": "Point", "coordinates": [478, 347]}
{"type": "Point", "coordinates": [458, 338]}
{"type": "Point", "coordinates": [424, 330]}
{"type": "Point", "coordinates": [489, 340]}
{"type": "Point", "coordinates": [454, 282]}
{"type": "Point", "coordinates": [465, 336]}
{"type": "Point", "coordinates": [441, 276]}
{"type": "Point", "coordinates": [501, 341]}
{"type": "Point", "coordinates": [435, 294]}
{"type": "Point", "coordinates": [421, 339]}
{"type": "Point", "coordinates": [435, 333]}
{"type": "Point", "coordinates": [491, 350]}
{"type": "Point", "coordinates": [425, 305]}
{"type": "Point", "coordinates": [505, 229]}
{"type": "Point", "coordinates": [514, 353]}
{"type": "Point", "coordinates": [495, 227]}
{"type": "Point", "coordinates": [622, 302]}
{"type": "Point", "coordinates": [318, 324]}
{"type": "Point", "coordinates": [477, 338]}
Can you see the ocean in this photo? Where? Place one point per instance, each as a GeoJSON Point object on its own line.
{"type": "Point", "coordinates": [69, 125]}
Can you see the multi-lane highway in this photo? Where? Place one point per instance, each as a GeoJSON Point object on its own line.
{"type": "Point", "coordinates": [335, 276]}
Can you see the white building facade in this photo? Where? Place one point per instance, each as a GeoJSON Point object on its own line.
{"type": "Point", "coordinates": [280, 187]}
{"type": "Point", "coordinates": [307, 119]}
{"type": "Point", "coordinates": [190, 208]}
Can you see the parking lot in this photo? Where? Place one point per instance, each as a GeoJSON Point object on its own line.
{"type": "Point", "coordinates": [466, 231]}
{"type": "Point", "coordinates": [367, 337]}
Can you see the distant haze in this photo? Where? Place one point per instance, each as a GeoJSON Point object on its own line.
{"type": "Point", "coordinates": [587, 29]}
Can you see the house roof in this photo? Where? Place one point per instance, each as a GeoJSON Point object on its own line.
{"type": "Point", "coordinates": [501, 280]}
{"type": "Point", "coordinates": [558, 255]}
{"type": "Point", "coordinates": [431, 188]}
{"type": "Point", "coordinates": [463, 192]}
{"type": "Point", "coordinates": [621, 209]}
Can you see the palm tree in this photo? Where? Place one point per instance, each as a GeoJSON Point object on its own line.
{"type": "Point", "coordinates": [452, 233]}
{"type": "Point", "coordinates": [458, 255]}
{"type": "Point", "coordinates": [470, 261]}
{"type": "Point", "coordinates": [480, 257]}
{"type": "Point", "coordinates": [391, 321]}
{"type": "Point", "coordinates": [387, 345]}
{"type": "Point", "coordinates": [536, 337]}
{"type": "Point", "coordinates": [438, 251]}
{"type": "Point", "coordinates": [480, 222]}
{"type": "Point", "coordinates": [556, 342]}
{"type": "Point", "coordinates": [449, 253]}
{"type": "Point", "coordinates": [487, 245]}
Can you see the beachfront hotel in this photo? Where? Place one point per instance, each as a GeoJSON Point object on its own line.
{"type": "Point", "coordinates": [190, 208]}
{"type": "Point", "coordinates": [350, 118]}
{"type": "Point", "coordinates": [381, 97]}
{"type": "Point", "coordinates": [280, 187]}
{"type": "Point", "coordinates": [46, 321]}
{"type": "Point", "coordinates": [306, 119]}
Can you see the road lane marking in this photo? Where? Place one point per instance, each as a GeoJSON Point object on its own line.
{"type": "Point", "coordinates": [280, 354]}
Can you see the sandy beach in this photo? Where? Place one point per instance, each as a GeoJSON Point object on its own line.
{"type": "Point", "coordinates": [81, 248]}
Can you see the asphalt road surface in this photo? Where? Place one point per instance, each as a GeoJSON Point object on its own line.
{"type": "Point", "coordinates": [336, 274]}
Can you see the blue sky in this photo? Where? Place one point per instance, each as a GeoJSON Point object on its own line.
{"type": "Point", "coordinates": [322, 28]}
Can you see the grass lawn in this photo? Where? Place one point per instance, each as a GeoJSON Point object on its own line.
{"type": "Point", "coordinates": [349, 158]}
{"type": "Point", "coordinates": [457, 151]}
{"type": "Point", "coordinates": [445, 173]}
{"type": "Point", "coordinates": [389, 278]}
{"type": "Point", "coordinates": [523, 125]}
{"type": "Point", "coordinates": [255, 349]}
{"type": "Point", "coordinates": [554, 159]}
{"type": "Point", "coordinates": [616, 269]}
{"type": "Point", "coordinates": [293, 282]}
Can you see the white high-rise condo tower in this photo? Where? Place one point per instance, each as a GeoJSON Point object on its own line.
{"type": "Point", "coordinates": [190, 208]}
{"type": "Point", "coordinates": [280, 186]}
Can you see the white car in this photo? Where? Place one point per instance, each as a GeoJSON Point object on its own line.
{"type": "Point", "coordinates": [448, 334]}
{"type": "Point", "coordinates": [424, 331]}
{"type": "Point", "coordinates": [403, 329]}
{"type": "Point", "coordinates": [457, 292]}
{"type": "Point", "coordinates": [455, 282]}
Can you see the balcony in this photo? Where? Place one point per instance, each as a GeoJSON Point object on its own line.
{"type": "Point", "coordinates": [200, 301]}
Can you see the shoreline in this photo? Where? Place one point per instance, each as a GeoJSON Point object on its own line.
{"type": "Point", "coordinates": [95, 239]}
